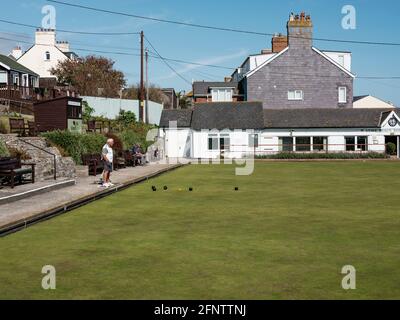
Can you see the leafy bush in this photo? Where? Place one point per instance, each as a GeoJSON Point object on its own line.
{"type": "Point", "coordinates": [76, 144]}
{"type": "Point", "coordinates": [126, 118]}
{"type": "Point", "coordinates": [3, 149]}
{"type": "Point", "coordinates": [87, 111]}
{"type": "Point", "coordinates": [391, 148]}
{"type": "Point", "coordinates": [129, 138]}
{"type": "Point", "coordinates": [305, 156]}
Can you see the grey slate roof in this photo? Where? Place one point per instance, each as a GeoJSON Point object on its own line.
{"type": "Point", "coordinates": [203, 88]}
{"type": "Point", "coordinates": [182, 116]}
{"type": "Point", "coordinates": [323, 118]}
{"type": "Point", "coordinates": [228, 115]}
{"type": "Point", "coordinates": [15, 66]}
{"type": "Point", "coordinates": [356, 98]}
{"type": "Point", "coordinates": [251, 115]}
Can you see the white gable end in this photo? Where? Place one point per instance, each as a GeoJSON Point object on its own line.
{"type": "Point", "coordinates": [392, 121]}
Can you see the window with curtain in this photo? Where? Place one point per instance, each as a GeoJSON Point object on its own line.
{"type": "Point", "coordinates": [225, 142]}
{"type": "Point", "coordinates": [213, 142]}
{"type": "Point", "coordinates": [295, 95]}
{"type": "Point", "coordinates": [222, 95]}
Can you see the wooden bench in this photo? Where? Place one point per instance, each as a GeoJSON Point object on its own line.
{"type": "Point", "coordinates": [119, 160]}
{"type": "Point", "coordinates": [130, 158]}
{"type": "Point", "coordinates": [11, 171]}
{"type": "Point", "coordinates": [17, 126]}
{"type": "Point", "coordinates": [94, 162]}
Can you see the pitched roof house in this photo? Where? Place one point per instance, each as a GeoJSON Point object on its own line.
{"type": "Point", "coordinates": [45, 54]}
{"type": "Point", "coordinates": [298, 75]}
{"type": "Point", "coordinates": [223, 91]}
{"type": "Point", "coordinates": [242, 129]}
{"type": "Point", "coordinates": [13, 73]}
{"type": "Point", "coordinates": [368, 101]}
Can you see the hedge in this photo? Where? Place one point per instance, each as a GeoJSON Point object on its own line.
{"type": "Point", "coordinates": [76, 144]}
{"type": "Point", "coordinates": [305, 156]}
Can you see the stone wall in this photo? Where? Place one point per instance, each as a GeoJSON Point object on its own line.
{"type": "Point", "coordinates": [44, 162]}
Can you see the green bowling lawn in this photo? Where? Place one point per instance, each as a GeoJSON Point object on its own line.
{"type": "Point", "coordinates": [285, 234]}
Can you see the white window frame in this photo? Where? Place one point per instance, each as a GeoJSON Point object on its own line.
{"type": "Point", "coordinates": [222, 94]}
{"type": "Point", "coordinates": [3, 77]}
{"type": "Point", "coordinates": [340, 89]}
{"type": "Point", "coordinates": [16, 79]}
{"type": "Point", "coordinates": [295, 95]}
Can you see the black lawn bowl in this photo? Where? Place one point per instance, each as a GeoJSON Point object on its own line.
{"type": "Point", "coordinates": [190, 189]}
{"type": "Point", "coordinates": [153, 188]}
{"type": "Point", "coordinates": [236, 188]}
{"type": "Point", "coordinates": [165, 188]}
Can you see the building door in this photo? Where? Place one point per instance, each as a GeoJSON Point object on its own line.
{"type": "Point", "coordinates": [393, 140]}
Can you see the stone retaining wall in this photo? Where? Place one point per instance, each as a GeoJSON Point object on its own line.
{"type": "Point", "coordinates": [44, 162]}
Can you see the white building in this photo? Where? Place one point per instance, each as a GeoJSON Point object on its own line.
{"type": "Point", "coordinates": [369, 101]}
{"type": "Point", "coordinates": [237, 130]}
{"type": "Point", "coordinates": [45, 54]}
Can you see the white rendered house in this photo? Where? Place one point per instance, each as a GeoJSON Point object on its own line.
{"type": "Point", "coordinates": [369, 101]}
{"type": "Point", "coordinates": [242, 129]}
{"type": "Point", "coordinates": [45, 54]}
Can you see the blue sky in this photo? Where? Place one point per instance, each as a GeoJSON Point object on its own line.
{"type": "Point", "coordinates": [376, 21]}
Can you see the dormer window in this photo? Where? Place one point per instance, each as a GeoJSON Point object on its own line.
{"type": "Point", "coordinates": [222, 94]}
{"type": "Point", "coordinates": [47, 56]}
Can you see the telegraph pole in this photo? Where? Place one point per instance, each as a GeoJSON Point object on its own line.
{"type": "Point", "coordinates": [147, 87]}
{"type": "Point", "coordinates": [141, 90]}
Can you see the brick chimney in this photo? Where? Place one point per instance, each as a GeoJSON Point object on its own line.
{"type": "Point", "coordinates": [17, 52]}
{"type": "Point", "coordinates": [279, 43]}
{"type": "Point", "coordinates": [300, 31]}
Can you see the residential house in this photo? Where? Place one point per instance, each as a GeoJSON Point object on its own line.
{"type": "Point", "coordinates": [15, 74]}
{"type": "Point", "coordinates": [226, 91]}
{"type": "Point", "coordinates": [368, 101]}
{"type": "Point", "coordinates": [242, 129]}
{"type": "Point", "coordinates": [44, 55]}
{"type": "Point", "coordinates": [295, 74]}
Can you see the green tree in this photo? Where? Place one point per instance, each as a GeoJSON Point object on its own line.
{"type": "Point", "coordinates": [87, 111]}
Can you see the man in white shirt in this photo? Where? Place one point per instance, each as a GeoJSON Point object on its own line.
{"type": "Point", "coordinates": [107, 156]}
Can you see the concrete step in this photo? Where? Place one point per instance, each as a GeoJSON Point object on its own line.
{"type": "Point", "coordinates": [8, 195]}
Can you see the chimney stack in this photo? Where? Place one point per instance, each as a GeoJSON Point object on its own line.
{"type": "Point", "coordinates": [279, 43]}
{"type": "Point", "coordinates": [45, 37]}
{"type": "Point", "coordinates": [17, 52]}
{"type": "Point", "coordinates": [63, 46]}
{"type": "Point", "coordinates": [300, 31]}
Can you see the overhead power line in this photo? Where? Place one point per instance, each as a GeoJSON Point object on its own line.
{"type": "Point", "coordinates": [71, 31]}
{"type": "Point", "coordinates": [167, 64]}
{"type": "Point", "coordinates": [156, 55]}
{"type": "Point", "coordinates": [202, 26]}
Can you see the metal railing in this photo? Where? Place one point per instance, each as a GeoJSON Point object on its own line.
{"type": "Point", "coordinates": [45, 151]}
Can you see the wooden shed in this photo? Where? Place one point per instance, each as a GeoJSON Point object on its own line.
{"type": "Point", "coordinates": [64, 113]}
